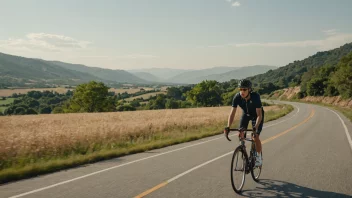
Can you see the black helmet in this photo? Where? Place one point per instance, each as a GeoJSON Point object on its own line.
{"type": "Point", "coordinates": [244, 83]}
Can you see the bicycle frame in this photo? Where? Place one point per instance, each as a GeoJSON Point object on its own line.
{"type": "Point", "coordinates": [251, 159]}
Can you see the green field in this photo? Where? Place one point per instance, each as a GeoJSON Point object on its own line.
{"type": "Point", "coordinates": [2, 109]}
{"type": "Point", "coordinates": [7, 101]}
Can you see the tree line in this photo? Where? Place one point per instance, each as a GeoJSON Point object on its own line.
{"type": "Point", "coordinates": [95, 97]}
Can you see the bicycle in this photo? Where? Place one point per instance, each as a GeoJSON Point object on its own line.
{"type": "Point", "coordinates": [248, 164]}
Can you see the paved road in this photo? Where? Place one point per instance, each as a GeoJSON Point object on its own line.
{"type": "Point", "coordinates": [306, 153]}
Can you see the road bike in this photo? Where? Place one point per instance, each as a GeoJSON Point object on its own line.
{"type": "Point", "coordinates": [243, 164]}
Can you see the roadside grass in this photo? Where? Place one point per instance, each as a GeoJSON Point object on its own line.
{"type": "Point", "coordinates": [33, 165]}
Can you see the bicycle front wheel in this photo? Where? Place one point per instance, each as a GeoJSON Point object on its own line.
{"type": "Point", "coordinates": [255, 172]}
{"type": "Point", "coordinates": [238, 169]}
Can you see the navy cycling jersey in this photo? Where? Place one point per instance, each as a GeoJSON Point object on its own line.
{"type": "Point", "coordinates": [248, 107]}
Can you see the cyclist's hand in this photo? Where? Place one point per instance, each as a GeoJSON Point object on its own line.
{"type": "Point", "coordinates": [254, 130]}
{"type": "Point", "coordinates": [241, 133]}
{"type": "Point", "coordinates": [226, 130]}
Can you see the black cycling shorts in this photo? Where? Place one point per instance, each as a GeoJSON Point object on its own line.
{"type": "Point", "coordinates": [245, 121]}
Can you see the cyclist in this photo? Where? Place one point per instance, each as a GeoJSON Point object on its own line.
{"type": "Point", "coordinates": [253, 111]}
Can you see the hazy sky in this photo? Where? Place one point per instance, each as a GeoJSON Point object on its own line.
{"type": "Point", "coordinates": [185, 34]}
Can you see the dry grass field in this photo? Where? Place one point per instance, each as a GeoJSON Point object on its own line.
{"type": "Point", "coordinates": [33, 144]}
{"type": "Point", "coordinates": [57, 134]}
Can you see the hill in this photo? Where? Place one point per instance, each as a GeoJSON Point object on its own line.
{"type": "Point", "coordinates": [17, 71]}
{"type": "Point", "coordinates": [239, 73]}
{"type": "Point", "coordinates": [291, 74]}
{"type": "Point", "coordinates": [119, 76]}
{"type": "Point", "coordinates": [147, 76]}
{"type": "Point", "coordinates": [220, 74]}
{"type": "Point", "coordinates": [162, 73]}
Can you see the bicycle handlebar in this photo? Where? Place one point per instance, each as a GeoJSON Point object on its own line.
{"type": "Point", "coordinates": [241, 130]}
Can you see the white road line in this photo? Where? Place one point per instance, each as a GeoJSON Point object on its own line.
{"type": "Point", "coordinates": [97, 172]}
{"type": "Point", "coordinates": [196, 167]}
{"type": "Point", "coordinates": [344, 126]}
{"type": "Point", "coordinates": [284, 120]}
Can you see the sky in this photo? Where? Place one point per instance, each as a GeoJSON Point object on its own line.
{"type": "Point", "coordinates": [180, 34]}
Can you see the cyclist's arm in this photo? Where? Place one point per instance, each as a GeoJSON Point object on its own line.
{"type": "Point", "coordinates": [231, 116]}
{"type": "Point", "coordinates": [259, 117]}
{"type": "Point", "coordinates": [233, 110]}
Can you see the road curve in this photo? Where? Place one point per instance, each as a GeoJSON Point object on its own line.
{"type": "Point", "coordinates": [306, 153]}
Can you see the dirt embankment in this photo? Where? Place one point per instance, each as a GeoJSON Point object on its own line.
{"type": "Point", "coordinates": [291, 93]}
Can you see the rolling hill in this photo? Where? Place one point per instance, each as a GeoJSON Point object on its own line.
{"type": "Point", "coordinates": [220, 74]}
{"type": "Point", "coordinates": [292, 72]}
{"type": "Point", "coordinates": [15, 70]}
{"type": "Point", "coordinates": [21, 71]}
{"type": "Point", "coordinates": [119, 76]}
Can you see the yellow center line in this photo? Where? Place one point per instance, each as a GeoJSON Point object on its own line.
{"type": "Point", "coordinates": [290, 129]}
{"type": "Point", "coordinates": [263, 142]}
{"type": "Point", "coordinates": [151, 190]}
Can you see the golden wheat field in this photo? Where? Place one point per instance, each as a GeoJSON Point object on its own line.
{"type": "Point", "coordinates": [38, 135]}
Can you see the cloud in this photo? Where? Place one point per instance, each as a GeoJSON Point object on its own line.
{"type": "Point", "coordinates": [236, 4]}
{"type": "Point", "coordinates": [330, 32]}
{"type": "Point", "coordinates": [330, 42]}
{"type": "Point", "coordinates": [44, 42]}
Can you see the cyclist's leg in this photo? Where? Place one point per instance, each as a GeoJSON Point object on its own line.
{"type": "Point", "coordinates": [258, 143]}
{"type": "Point", "coordinates": [244, 121]}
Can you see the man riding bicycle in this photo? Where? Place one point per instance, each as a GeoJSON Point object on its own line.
{"type": "Point", "coordinates": [252, 111]}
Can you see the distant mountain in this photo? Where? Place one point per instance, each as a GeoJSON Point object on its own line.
{"type": "Point", "coordinates": [21, 71]}
{"type": "Point", "coordinates": [161, 73]}
{"type": "Point", "coordinates": [16, 70]}
{"type": "Point", "coordinates": [292, 73]}
{"type": "Point", "coordinates": [147, 76]}
{"type": "Point", "coordinates": [119, 76]}
{"type": "Point", "coordinates": [220, 74]}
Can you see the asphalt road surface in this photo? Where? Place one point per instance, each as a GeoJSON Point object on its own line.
{"type": "Point", "coordinates": [307, 153]}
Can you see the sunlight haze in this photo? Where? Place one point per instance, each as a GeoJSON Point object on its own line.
{"type": "Point", "coordinates": [179, 34]}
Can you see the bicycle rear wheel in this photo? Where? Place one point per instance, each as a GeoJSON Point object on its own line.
{"type": "Point", "coordinates": [238, 167]}
{"type": "Point", "coordinates": [256, 170]}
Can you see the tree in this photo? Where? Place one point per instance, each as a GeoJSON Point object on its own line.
{"type": "Point", "coordinates": [228, 97]}
{"type": "Point", "coordinates": [342, 78]}
{"type": "Point", "coordinates": [92, 97]}
{"type": "Point", "coordinates": [31, 111]}
{"type": "Point", "coordinates": [174, 92]}
{"type": "Point", "coordinates": [33, 103]}
{"type": "Point", "coordinates": [158, 103]}
{"type": "Point", "coordinates": [20, 111]}
{"type": "Point", "coordinates": [125, 107]}
{"type": "Point", "coordinates": [206, 93]}
{"type": "Point", "coordinates": [316, 87]}
{"type": "Point", "coordinates": [57, 110]}
{"type": "Point", "coordinates": [34, 94]}
{"type": "Point", "coordinates": [54, 100]}
{"type": "Point", "coordinates": [135, 103]}
{"type": "Point", "coordinates": [45, 110]}
{"type": "Point", "coordinates": [171, 104]}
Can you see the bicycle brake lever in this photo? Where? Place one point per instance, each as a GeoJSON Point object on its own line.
{"type": "Point", "coordinates": [227, 136]}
